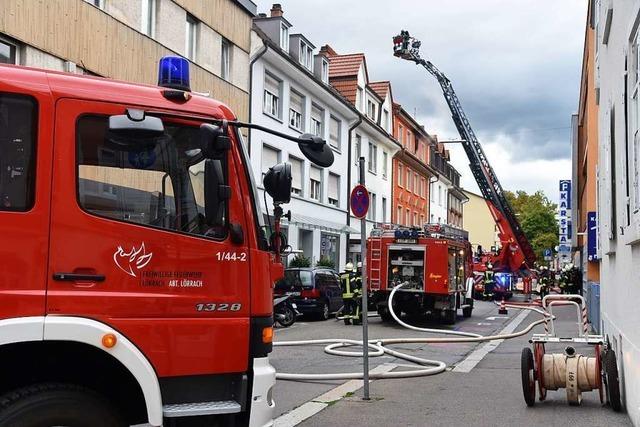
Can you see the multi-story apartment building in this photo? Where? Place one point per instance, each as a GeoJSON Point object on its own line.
{"type": "Point", "coordinates": [124, 40]}
{"type": "Point", "coordinates": [447, 197]}
{"type": "Point", "coordinates": [584, 137]}
{"type": "Point", "coordinates": [615, 77]}
{"type": "Point", "coordinates": [411, 170]}
{"type": "Point", "coordinates": [290, 92]}
{"type": "Point", "coordinates": [371, 137]}
{"type": "Point", "coordinates": [477, 220]}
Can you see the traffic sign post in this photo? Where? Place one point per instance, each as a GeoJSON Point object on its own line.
{"type": "Point", "coordinates": [359, 203]}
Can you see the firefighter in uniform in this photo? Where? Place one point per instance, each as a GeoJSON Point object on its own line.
{"type": "Point", "coordinates": [545, 281]}
{"type": "Point", "coordinates": [351, 283]}
{"type": "Point", "coordinates": [489, 282]}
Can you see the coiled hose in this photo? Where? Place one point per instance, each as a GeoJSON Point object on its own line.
{"type": "Point", "coordinates": [377, 347]}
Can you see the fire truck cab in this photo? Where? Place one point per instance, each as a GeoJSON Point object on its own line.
{"type": "Point", "coordinates": [136, 280]}
{"type": "Point", "coordinates": [433, 263]}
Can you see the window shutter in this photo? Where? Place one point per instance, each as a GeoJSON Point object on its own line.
{"type": "Point", "coordinates": [269, 158]}
{"type": "Point", "coordinates": [296, 173]}
{"type": "Point", "coordinates": [315, 174]}
{"type": "Point", "coordinates": [316, 113]}
{"type": "Point", "coordinates": [296, 102]}
{"type": "Point", "coordinates": [334, 181]}
{"type": "Point", "coordinates": [271, 84]}
{"type": "Point", "coordinates": [334, 129]}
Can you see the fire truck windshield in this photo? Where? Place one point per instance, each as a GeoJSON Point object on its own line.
{"type": "Point", "coordinates": [155, 182]}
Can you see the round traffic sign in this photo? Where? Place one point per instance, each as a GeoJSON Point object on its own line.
{"type": "Point", "coordinates": [359, 201]}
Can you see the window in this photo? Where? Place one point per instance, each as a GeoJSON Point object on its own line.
{"type": "Point", "coordinates": [272, 89]}
{"type": "Point", "coordinates": [270, 157]}
{"type": "Point", "coordinates": [409, 180]}
{"type": "Point", "coordinates": [284, 37]}
{"type": "Point", "coordinates": [8, 53]}
{"type": "Point", "coordinates": [371, 110]}
{"type": "Point", "coordinates": [432, 218]}
{"type": "Point", "coordinates": [439, 196]}
{"type": "Point", "coordinates": [385, 120]}
{"type": "Point", "coordinates": [421, 220]}
{"type": "Point", "coordinates": [409, 147]}
{"type": "Point", "coordinates": [315, 183]}
{"type": "Point", "coordinates": [416, 184]}
{"type": "Point", "coordinates": [296, 109]}
{"type": "Point", "coordinates": [148, 17]}
{"type": "Point", "coordinates": [400, 174]}
{"type": "Point", "coordinates": [612, 175]}
{"type": "Point", "coordinates": [334, 189]}
{"type": "Point", "coordinates": [334, 132]}
{"type": "Point", "coordinates": [18, 125]}
{"type": "Point", "coordinates": [373, 157]}
{"type": "Point", "coordinates": [401, 135]}
{"type": "Point", "coordinates": [325, 71]}
{"type": "Point", "coordinates": [371, 213]}
{"type": "Point", "coordinates": [384, 209]}
{"type": "Point", "coordinates": [399, 215]}
{"type": "Point", "coordinates": [161, 186]}
{"type": "Point", "coordinates": [407, 219]}
{"type": "Point", "coordinates": [317, 120]}
{"type": "Point", "coordinates": [96, 3]}
{"type": "Point", "coordinates": [225, 60]}
{"type": "Point", "coordinates": [385, 160]}
{"type": "Point", "coordinates": [306, 55]}
{"type": "Point", "coordinates": [415, 219]}
{"type": "Point", "coordinates": [297, 166]}
{"type": "Point", "coordinates": [360, 99]}
{"type": "Point", "coordinates": [191, 38]}
{"type": "Point", "coordinates": [358, 148]}
{"type": "Point", "coordinates": [423, 187]}
{"type": "Point", "coordinates": [635, 134]}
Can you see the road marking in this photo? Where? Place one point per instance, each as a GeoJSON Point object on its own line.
{"type": "Point", "coordinates": [497, 317]}
{"type": "Point", "coordinates": [477, 355]}
{"type": "Point", "coordinates": [312, 407]}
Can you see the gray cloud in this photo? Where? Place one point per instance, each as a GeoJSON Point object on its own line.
{"type": "Point", "coordinates": [515, 65]}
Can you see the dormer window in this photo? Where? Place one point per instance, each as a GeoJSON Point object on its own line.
{"type": "Point", "coordinates": [325, 71]}
{"type": "Point", "coordinates": [371, 110]}
{"type": "Point", "coordinates": [284, 37]}
{"type": "Point", "coordinates": [306, 55]}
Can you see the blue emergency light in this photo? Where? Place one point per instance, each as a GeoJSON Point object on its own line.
{"type": "Point", "coordinates": [173, 72]}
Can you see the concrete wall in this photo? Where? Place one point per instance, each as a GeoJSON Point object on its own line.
{"type": "Point", "coordinates": [620, 240]}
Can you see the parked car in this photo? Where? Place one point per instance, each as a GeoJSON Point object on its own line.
{"type": "Point", "coordinates": [315, 291]}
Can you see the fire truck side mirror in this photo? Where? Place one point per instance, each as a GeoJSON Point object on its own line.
{"type": "Point", "coordinates": [214, 140]}
{"type": "Point", "coordinates": [216, 193]}
{"type": "Point", "coordinates": [316, 149]}
{"type": "Point", "coordinates": [277, 182]}
{"type": "Point", "coordinates": [135, 125]}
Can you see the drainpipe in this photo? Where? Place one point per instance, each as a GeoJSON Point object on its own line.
{"type": "Point", "coordinates": [349, 164]}
{"type": "Point", "coordinates": [255, 58]}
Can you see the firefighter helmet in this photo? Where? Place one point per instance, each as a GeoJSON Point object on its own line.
{"type": "Point", "coordinates": [348, 267]}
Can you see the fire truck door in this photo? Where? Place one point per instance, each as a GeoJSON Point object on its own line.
{"type": "Point", "coordinates": [130, 245]}
{"type": "Point", "coordinates": [25, 186]}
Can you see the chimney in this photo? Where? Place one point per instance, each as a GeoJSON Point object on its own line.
{"type": "Point", "coordinates": [327, 51]}
{"type": "Point", "coordinates": [276, 10]}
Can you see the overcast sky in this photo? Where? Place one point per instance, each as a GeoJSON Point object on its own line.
{"type": "Point", "coordinates": [515, 66]}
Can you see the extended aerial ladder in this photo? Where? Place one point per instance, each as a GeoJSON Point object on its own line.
{"type": "Point", "coordinates": [516, 253]}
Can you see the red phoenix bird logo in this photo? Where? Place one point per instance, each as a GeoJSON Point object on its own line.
{"type": "Point", "coordinates": [132, 261]}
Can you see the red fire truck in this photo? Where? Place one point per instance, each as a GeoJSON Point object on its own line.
{"type": "Point", "coordinates": [136, 279]}
{"type": "Point", "coordinates": [434, 263]}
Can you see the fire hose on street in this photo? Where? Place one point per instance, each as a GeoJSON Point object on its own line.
{"type": "Point", "coordinates": [378, 347]}
{"type": "Point", "coordinates": [574, 372]}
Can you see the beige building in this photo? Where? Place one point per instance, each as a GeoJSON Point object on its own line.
{"type": "Point", "coordinates": [477, 220]}
{"type": "Point", "coordinates": [123, 39]}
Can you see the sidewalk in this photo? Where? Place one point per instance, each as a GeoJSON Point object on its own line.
{"type": "Point", "coordinates": [489, 395]}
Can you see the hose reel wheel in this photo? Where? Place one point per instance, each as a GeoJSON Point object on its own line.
{"type": "Point", "coordinates": [611, 379]}
{"type": "Point", "coordinates": [528, 376]}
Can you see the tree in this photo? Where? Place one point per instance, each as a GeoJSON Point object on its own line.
{"type": "Point", "coordinates": [300, 261]}
{"type": "Point", "coordinates": [537, 217]}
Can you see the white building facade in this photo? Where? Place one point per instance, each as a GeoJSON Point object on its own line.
{"type": "Point", "coordinates": [290, 93]}
{"type": "Point", "coordinates": [617, 83]}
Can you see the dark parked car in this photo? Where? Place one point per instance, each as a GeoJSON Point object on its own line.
{"type": "Point", "coordinates": [315, 291]}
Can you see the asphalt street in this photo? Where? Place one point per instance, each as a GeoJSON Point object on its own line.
{"type": "Point", "coordinates": [489, 395]}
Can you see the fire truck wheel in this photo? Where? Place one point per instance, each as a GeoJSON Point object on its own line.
{"type": "Point", "coordinates": [347, 321]}
{"type": "Point", "coordinates": [53, 404]}
{"type": "Point", "coordinates": [449, 316]}
{"type": "Point", "coordinates": [385, 314]}
{"type": "Point", "coordinates": [528, 379]}
{"type": "Point", "coordinates": [466, 312]}
{"type": "Point", "coordinates": [612, 381]}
